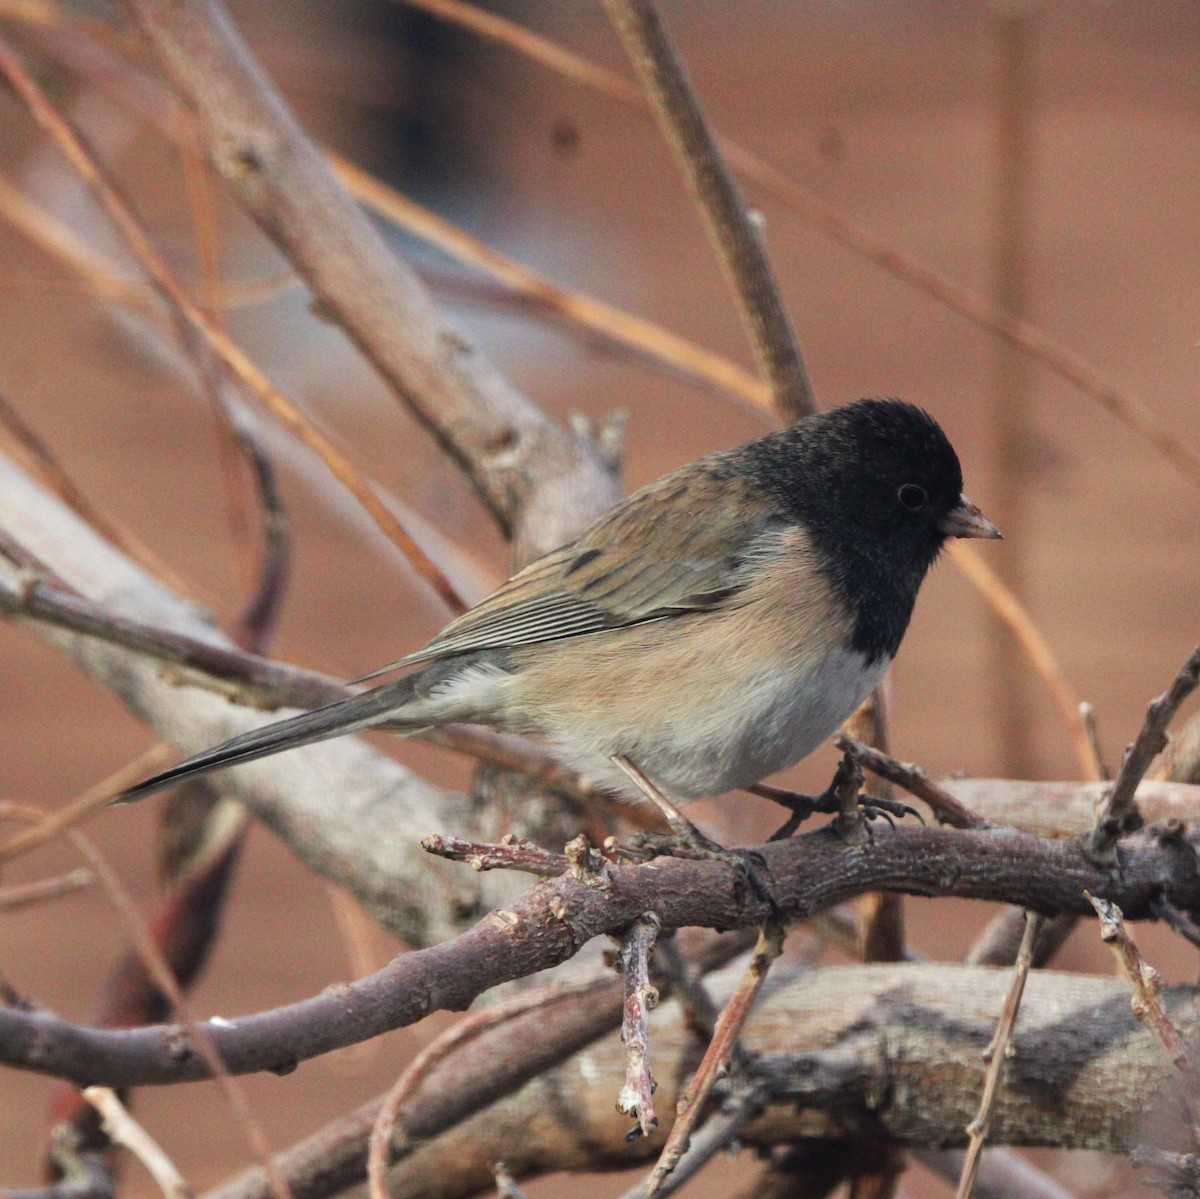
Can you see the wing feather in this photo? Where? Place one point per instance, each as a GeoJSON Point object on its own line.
{"type": "Point", "coordinates": [649, 558]}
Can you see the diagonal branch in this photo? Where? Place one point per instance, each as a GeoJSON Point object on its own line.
{"type": "Point", "coordinates": [730, 229]}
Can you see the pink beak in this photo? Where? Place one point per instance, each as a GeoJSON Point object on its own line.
{"type": "Point", "coordinates": [965, 520]}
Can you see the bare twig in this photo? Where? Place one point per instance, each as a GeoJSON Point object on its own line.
{"type": "Point", "coordinates": [730, 229]}
{"type": "Point", "coordinates": [123, 1129]}
{"type": "Point", "coordinates": [678, 823]}
{"type": "Point", "coordinates": [1178, 921]}
{"type": "Point", "coordinates": [1087, 713]}
{"type": "Point", "coordinates": [26, 895]}
{"type": "Point", "coordinates": [733, 1018]}
{"type": "Point", "coordinates": [511, 854]}
{"type": "Point", "coordinates": [1146, 984]}
{"type": "Point", "coordinates": [995, 1056]}
{"type": "Point", "coordinates": [1008, 608]}
{"type": "Point", "coordinates": [1119, 815]}
{"type": "Point", "coordinates": [914, 780]}
{"type": "Point", "coordinates": [881, 913]}
{"type": "Point", "coordinates": [467, 1029]}
{"type": "Point", "coordinates": [1000, 942]}
{"type": "Point", "coordinates": [35, 453]}
{"type": "Point", "coordinates": [53, 824]}
{"type": "Point", "coordinates": [646, 338]}
{"type": "Point", "coordinates": [637, 1095]}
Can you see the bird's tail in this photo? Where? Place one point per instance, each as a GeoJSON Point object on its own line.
{"type": "Point", "coordinates": [380, 705]}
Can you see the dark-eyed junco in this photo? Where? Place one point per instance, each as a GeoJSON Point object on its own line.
{"type": "Point", "coordinates": [713, 628]}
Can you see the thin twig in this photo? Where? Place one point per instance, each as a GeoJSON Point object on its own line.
{"type": "Point", "coordinates": [94, 799]}
{"type": "Point", "coordinates": [123, 1129]}
{"type": "Point", "coordinates": [34, 453]}
{"type": "Point", "coordinates": [27, 895]}
{"type": "Point", "coordinates": [194, 323]}
{"type": "Point", "coordinates": [511, 854]}
{"type": "Point", "coordinates": [693, 1098]}
{"type": "Point", "coordinates": [678, 823]}
{"type": "Point", "coordinates": [730, 229]}
{"type": "Point", "coordinates": [1087, 713]}
{"type": "Point", "coordinates": [995, 1056]}
{"type": "Point", "coordinates": [881, 913]}
{"type": "Point", "coordinates": [467, 1029]}
{"type": "Point", "coordinates": [637, 1095]}
{"type": "Point", "coordinates": [914, 780]}
{"type": "Point", "coordinates": [1146, 984]}
{"type": "Point", "coordinates": [1178, 921]}
{"type": "Point", "coordinates": [1119, 815]}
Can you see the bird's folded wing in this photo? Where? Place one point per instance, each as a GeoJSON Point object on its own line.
{"type": "Point", "coordinates": [639, 563]}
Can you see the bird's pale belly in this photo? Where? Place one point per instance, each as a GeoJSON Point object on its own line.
{"type": "Point", "coordinates": [743, 725]}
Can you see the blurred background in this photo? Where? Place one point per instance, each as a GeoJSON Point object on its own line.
{"type": "Point", "coordinates": [1041, 155]}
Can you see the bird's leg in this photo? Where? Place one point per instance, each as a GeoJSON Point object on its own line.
{"type": "Point", "coordinates": [842, 794]}
{"type": "Point", "coordinates": [685, 840]}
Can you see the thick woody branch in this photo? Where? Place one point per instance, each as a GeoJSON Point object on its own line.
{"type": "Point", "coordinates": [853, 1068]}
{"type": "Point", "coordinates": [526, 468]}
{"type": "Point", "coordinates": [554, 919]}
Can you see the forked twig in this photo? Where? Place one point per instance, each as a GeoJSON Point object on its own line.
{"type": "Point", "coordinates": [1146, 985]}
{"type": "Point", "coordinates": [730, 229]}
{"type": "Point", "coordinates": [641, 997]}
{"type": "Point", "coordinates": [694, 1096]}
{"type": "Point", "coordinates": [511, 854]}
{"type": "Point", "coordinates": [995, 1055]}
{"type": "Point", "coordinates": [1119, 813]}
{"type": "Point", "coordinates": [946, 807]}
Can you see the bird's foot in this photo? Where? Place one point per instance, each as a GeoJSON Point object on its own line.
{"type": "Point", "coordinates": [843, 798]}
{"type": "Point", "coordinates": [685, 840]}
{"type": "Point", "coordinates": [694, 845]}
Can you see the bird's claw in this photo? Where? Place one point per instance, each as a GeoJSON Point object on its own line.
{"type": "Point", "coordinates": [694, 845]}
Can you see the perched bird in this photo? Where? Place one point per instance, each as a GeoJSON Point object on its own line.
{"type": "Point", "coordinates": [713, 628]}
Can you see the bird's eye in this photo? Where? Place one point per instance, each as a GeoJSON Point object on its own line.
{"type": "Point", "coordinates": [912, 496]}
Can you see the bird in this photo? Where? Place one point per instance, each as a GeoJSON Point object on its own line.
{"type": "Point", "coordinates": [713, 628]}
